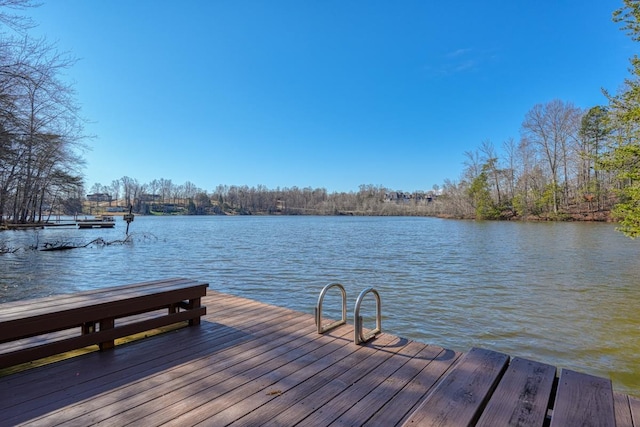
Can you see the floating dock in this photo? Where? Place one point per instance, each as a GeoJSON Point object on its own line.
{"type": "Point", "coordinates": [97, 222]}
{"type": "Point", "coordinates": [251, 364]}
{"type": "Point", "coordinates": [107, 222]}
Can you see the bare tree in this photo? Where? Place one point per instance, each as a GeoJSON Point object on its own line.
{"type": "Point", "coordinates": [472, 165]}
{"type": "Point", "coordinates": [510, 149]}
{"type": "Point", "coordinates": [190, 190]}
{"type": "Point", "coordinates": [166, 189]}
{"type": "Point", "coordinates": [16, 22]}
{"type": "Point", "coordinates": [115, 190]}
{"type": "Point", "coordinates": [552, 127]}
{"type": "Point", "coordinates": [129, 188]}
{"type": "Point", "coordinates": [40, 123]}
{"type": "Point", "coordinates": [153, 187]}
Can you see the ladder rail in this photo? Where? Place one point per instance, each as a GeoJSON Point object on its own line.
{"type": "Point", "coordinates": [318, 310]}
{"type": "Point", "coordinates": [359, 337]}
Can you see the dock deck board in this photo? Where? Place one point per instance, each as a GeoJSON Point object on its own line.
{"type": "Point", "coordinates": [522, 397]}
{"type": "Point", "coordinates": [250, 364]}
{"type": "Point", "coordinates": [583, 400]}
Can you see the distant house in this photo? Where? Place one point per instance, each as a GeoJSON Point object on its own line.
{"type": "Point", "coordinates": [418, 197]}
{"type": "Point", "coordinates": [397, 197]}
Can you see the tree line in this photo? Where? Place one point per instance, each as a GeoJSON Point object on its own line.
{"type": "Point", "coordinates": [556, 170]}
{"type": "Point", "coordinates": [568, 163]}
{"type": "Point", "coordinates": [163, 196]}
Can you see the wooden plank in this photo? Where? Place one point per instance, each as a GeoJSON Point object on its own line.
{"type": "Point", "coordinates": [634, 405]}
{"type": "Point", "coordinates": [305, 411]}
{"type": "Point", "coordinates": [248, 364]}
{"type": "Point", "coordinates": [583, 400]}
{"type": "Point", "coordinates": [623, 410]}
{"type": "Point", "coordinates": [268, 337]}
{"type": "Point", "coordinates": [458, 399]}
{"type": "Point", "coordinates": [168, 396]}
{"type": "Point", "coordinates": [247, 315]}
{"type": "Point", "coordinates": [51, 300]}
{"type": "Point", "coordinates": [407, 399]}
{"type": "Point", "coordinates": [224, 307]}
{"type": "Point", "coordinates": [522, 396]}
{"type": "Point", "coordinates": [54, 302]}
{"type": "Point", "coordinates": [149, 374]}
{"type": "Point", "coordinates": [272, 386]}
{"type": "Point", "coordinates": [299, 388]}
{"type": "Point", "coordinates": [141, 362]}
{"type": "Point", "coordinates": [346, 404]}
{"type": "Point", "coordinates": [375, 390]}
{"type": "Point", "coordinates": [107, 295]}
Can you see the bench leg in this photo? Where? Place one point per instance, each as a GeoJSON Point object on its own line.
{"type": "Point", "coordinates": [194, 303]}
{"type": "Point", "coordinates": [88, 328]}
{"type": "Point", "coordinates": [104, 325]}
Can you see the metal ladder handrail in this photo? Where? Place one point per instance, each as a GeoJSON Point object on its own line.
{"type": "Point", "coordinates": [318, 311]}
{"type": "Point", "coordinates": [357, 330]}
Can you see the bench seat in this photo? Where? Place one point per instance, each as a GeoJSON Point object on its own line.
{"type": "Point", "coordinates": [94, 314]}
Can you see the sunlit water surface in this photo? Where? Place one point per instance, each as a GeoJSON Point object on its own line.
{"type": "Point", "coordinates": [563, 293]}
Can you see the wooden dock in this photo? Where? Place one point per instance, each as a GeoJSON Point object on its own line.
{"type": "Point", "coordinates": [250, 364]}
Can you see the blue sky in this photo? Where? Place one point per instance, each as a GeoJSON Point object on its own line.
{"type": "Point", "coordinates": [329, 94]}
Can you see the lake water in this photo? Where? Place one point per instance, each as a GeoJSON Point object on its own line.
{"type": "Point", "coordinates": [563, 293]}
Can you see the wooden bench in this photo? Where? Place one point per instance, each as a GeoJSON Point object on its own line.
{"type": "Point", "coordinates": [93, 315]}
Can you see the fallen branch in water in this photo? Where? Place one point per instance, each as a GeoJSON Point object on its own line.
{"type": "Point", "coordinates": [58, 246]}
{"type": "Point", "coordinates": [65, 245]}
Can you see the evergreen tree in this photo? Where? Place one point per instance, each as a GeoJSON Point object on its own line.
{"type": "Point", "coordinates": [480, 193]}
{"type": "Point", "coordinates": [624, 156]}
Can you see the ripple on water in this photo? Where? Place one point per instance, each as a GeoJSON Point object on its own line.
{"type": "Point", "coordinates": [565, 293]}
